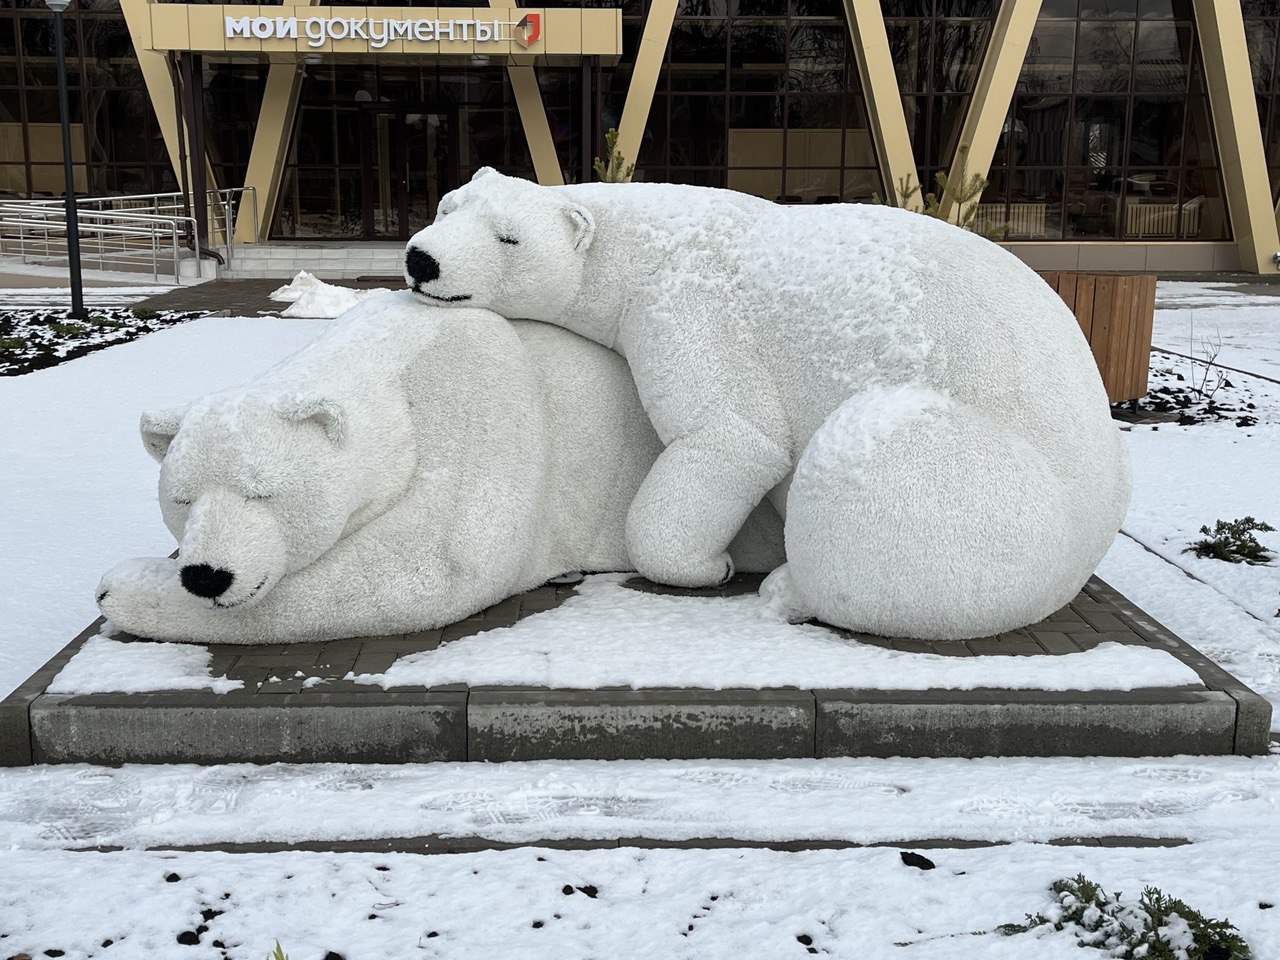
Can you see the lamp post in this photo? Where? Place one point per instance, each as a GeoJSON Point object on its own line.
{"type": "Point", "coordinates": [73, 224]}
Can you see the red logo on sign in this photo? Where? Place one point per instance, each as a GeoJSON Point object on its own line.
{"type": "Point", "coordinates": [529, 29]}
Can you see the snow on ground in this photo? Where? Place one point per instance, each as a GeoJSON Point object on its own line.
{"type": "Point", "coordinates": [626, 903]}
{"type": "Point", "coordinates": [32, 298]}
{"type": "Point", "coordinates": [1190, 476]}
{"type": "Point", "coordinates": [104, 665]}
{"type": "Point", "coordinates": [77, 490]}
{"type": "Point", "coordinates": [856, 800]}
{"type": "Point", "coordinates": [78, 494]}
{"type": "Point", "coordinates": [1246, 317]}
{"type": "Point", "coordinates": [609, 635]}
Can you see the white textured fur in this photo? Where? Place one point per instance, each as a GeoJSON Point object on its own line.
{"type": "Point", "coordinates": [956, 470]}
{"type": "Point", "coordinates": [409, 467]}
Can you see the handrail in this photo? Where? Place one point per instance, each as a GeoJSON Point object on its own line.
{"type": "Point", "coordinates": [150, 228]}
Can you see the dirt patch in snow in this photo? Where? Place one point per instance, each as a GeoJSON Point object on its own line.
{"type": "Point", "coordinates": [38, 339]}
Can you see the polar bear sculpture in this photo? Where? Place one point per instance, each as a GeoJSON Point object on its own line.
{"type": "Point", "coordinates": [406, 469]}
{"type": "Point", "coordinates": [917, 402]}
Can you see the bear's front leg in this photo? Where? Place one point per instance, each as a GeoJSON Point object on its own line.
{"type": "Point", "coordinates": [696, 498]}
{"type": "Point", "coordinates": [145, 597]}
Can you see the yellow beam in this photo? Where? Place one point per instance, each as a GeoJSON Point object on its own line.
{"type": "Point", "coordinates": [644, 78]}
{"type": "Point", "coordinates": [270, 148]}
{"type": "Point", "coordinates": [159, 83]}
{"type": "Point", "coordinates": [537, 129]}
{"type": "Point", "coordinates": [994, 87]}
{"type": "Point", "coordinates": [1241, 155]}
{"type": "Point", "coordinates": [533, 111]}
{"type": "Point", "coordinates": [884, 98]}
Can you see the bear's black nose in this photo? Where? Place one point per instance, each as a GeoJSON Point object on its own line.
{"type": "Point", "coordinates": [206, 581]}
{"type": "Point", "coordinates": [421, 265]}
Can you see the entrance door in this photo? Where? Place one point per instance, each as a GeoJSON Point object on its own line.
{"type": "Point", "coordinates": [409, 163]}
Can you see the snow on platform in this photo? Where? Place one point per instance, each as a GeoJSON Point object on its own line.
{"type": "Point", "coordinates": [622, 670]}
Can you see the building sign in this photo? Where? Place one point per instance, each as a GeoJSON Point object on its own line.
{"type": "Point", "coordinates": [237, 31]}
{"type": "Point", "coordinates": [380, 31]}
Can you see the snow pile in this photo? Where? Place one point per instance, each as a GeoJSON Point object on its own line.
{"type": "Point", "coordinates": [104, 665]}
{"type": "Point", "coordinates": [310, 297]}
{"type": "Point", "coordinates": [610, 635]}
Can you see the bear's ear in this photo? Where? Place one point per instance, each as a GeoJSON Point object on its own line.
{"type": "Point", "coordinates": [328, 413]}
{"type": "Point", "coordinates": [482, 172]}
{"type": "Point", "coordinates": [159, 427]}
{"type": "Point", "coordinates": [584, 225]}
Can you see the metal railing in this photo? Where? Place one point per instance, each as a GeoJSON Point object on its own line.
{"type": "Point", "coordinates": [152, 232]}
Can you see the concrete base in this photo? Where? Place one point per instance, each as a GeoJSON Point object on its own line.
{"type": "Point", "coordinates": [277, 718]}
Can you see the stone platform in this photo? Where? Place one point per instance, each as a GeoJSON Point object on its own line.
{"type": "Point", "coordinates": [279, 716]}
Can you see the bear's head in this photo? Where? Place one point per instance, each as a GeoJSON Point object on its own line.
{"type": "Point", "coordinates": [252, 487]}
{"type": "Point", "coordinates": [503, 243]}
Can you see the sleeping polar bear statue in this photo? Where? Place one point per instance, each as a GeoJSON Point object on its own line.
{"type": "Point", "coordinates": [917, 403]}
{"type": "Point", "coordinates": [406, 469]}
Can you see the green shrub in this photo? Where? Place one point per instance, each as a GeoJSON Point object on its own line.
{"type": "Point", "coordinates": [67, 329]}
{"type": "Point", "coordinates": [1233, 541]}
{"type": "Point", "coordinates": [12, 343]}
{"type": "Point", "coordinates": [108, 322]}
{"type": "Point", "coordinates": [142, 313]}
{"type": "Point", "coordinates": [278, 954]}
{"type": "Point", "coordinates": [1157, 927]}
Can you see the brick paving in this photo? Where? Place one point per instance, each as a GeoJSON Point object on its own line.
{"type": "Point", "coordinates": [240, 298]}
{"type": "Point", "coordinates": [296, 706]}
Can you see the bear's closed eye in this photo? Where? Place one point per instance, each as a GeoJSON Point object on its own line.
{"type": "Point", "coordinates": [511, 240]}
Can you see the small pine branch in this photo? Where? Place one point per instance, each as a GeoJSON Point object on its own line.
{"type": "Point", "coordinates": [613, 169]}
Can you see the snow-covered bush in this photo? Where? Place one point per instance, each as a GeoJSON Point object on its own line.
{"type": "Point", "coordinates": [1155, 927]}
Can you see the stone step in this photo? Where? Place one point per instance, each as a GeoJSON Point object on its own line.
{"type": "Point", "coordinates": [278, 716]}
{"type": "Point", "coordinates": [329, 262]}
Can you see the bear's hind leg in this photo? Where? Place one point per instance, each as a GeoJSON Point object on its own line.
{"type": "Point", "coordinates": [911, 516]}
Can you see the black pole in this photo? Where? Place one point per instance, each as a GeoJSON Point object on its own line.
{"type": "Point", "coordinates": [73, 223]}
{"type": "Point", "coordinates": [192, 87]}
{"type": "Point", "coordinates": [587, 137]}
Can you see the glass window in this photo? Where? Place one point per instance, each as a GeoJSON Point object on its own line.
{"type": "Point", "coordinates": [1104, 60]}
{"type": "Point", "coordinates": [757, 57]}
{"type": "Point", "coordinates": [771, 106]}
{"type": "Point", "coordinates": [698, 52]}
{"type": "Point", "coordinates": [1155, 138]}
{"type": "Point", "coordinates": [1097, 131]}
{"type": "Point", "coordinates": [1262, 27]}
{"type": "Point", "coordinates": [1162, 58]}
{"type": "Point", "coordinates": [937, 48]}
{"type": "Point", "coordinates": [817, 58]}
{"type": "Point", "coordinates": [1111, 138]}
{"type": "Point", "coordinates": [1104, 9]}
{"type": "Point", "coordinates": [1050, 58]}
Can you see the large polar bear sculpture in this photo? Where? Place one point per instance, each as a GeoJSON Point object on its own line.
{"type": "Point", "coordinates": [917, 402]}
{"type": "Point", "coordinates": [408, 468]}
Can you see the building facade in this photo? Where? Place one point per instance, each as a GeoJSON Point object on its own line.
{"type": "Point", "coordinates": [1114, 134]}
